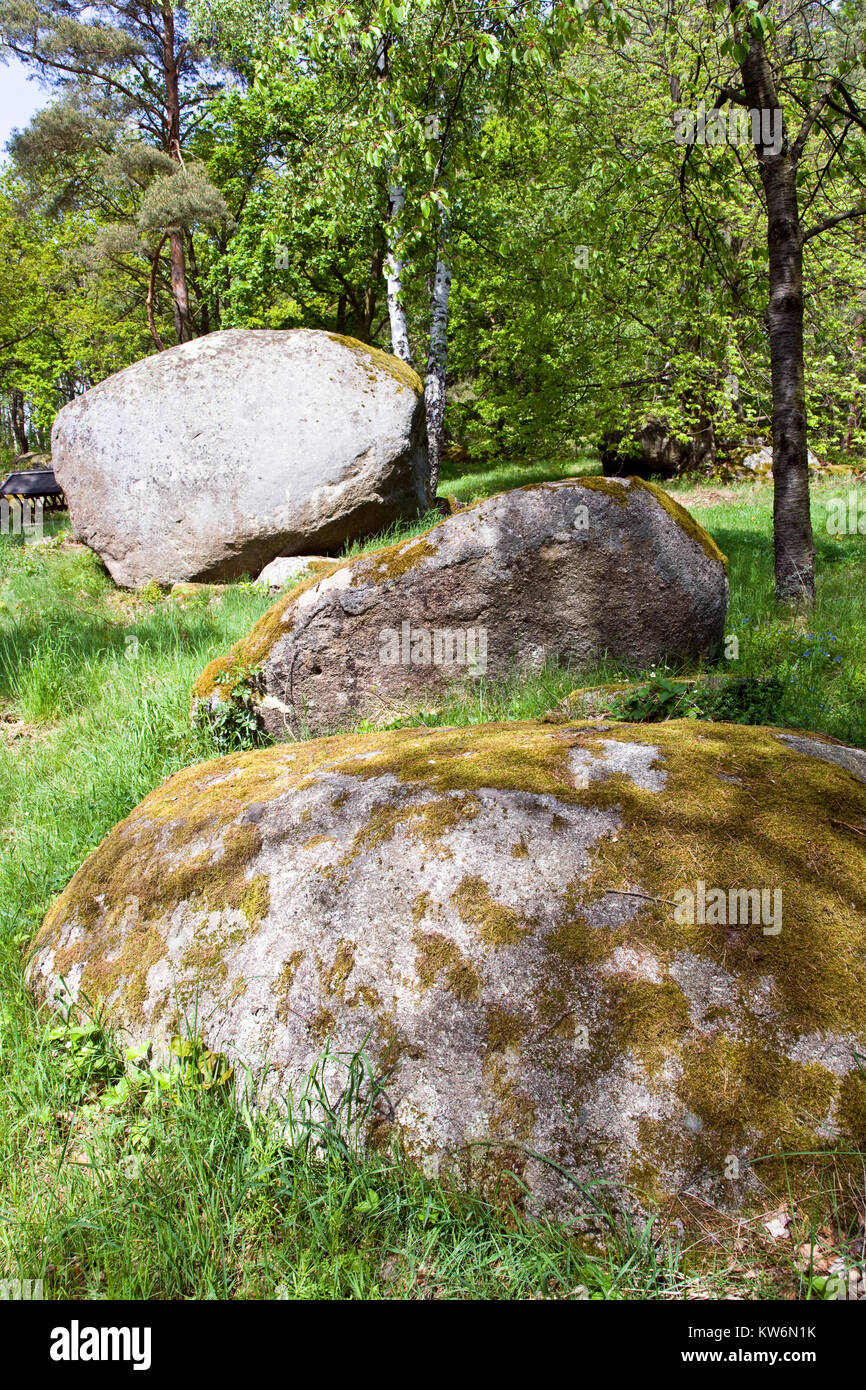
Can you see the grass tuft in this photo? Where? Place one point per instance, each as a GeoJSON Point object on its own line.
{"type": "Point", "coordinates": [118, 1181]}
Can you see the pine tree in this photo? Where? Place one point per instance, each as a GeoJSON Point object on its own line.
{"type": "Point", "coordinates": [131, 83]}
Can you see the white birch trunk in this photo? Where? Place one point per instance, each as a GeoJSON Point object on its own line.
{"type": "Point", "coordinates": [437, 363]}
{"type": "Point", "coordinates": [394, 281]}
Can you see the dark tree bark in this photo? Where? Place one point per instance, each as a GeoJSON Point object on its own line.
{"type": "Point", "coordinates": [856, 354]}
{"type": "Point", "coordinates": [177, 257]}
{"type": "Point", "coordinates": [19, 425]}
{"type": "Point", "coordinates": [151, 296]}
{"type": "Point", "coordinates": [179, 288]}
{"type": "Point", "coordinates": [203, 326]}
{"type": "Point", "coordinates": [792, 526]}
{"type": "Point", "coordinates": [371, 291]}
{"type": "Point", "coordinates": [854, 408]}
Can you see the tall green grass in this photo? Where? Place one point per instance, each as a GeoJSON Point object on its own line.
{"type": "Point", "coordinates": [468, 484]}
{"type": "Point", "coordinates": [215, 1203]}
{"type": "Point", "coordinates": [819, 655]}
{"type": "Point", "coordinates": [214, 1198]}
{"type": "Point", "coordinates": [199, 1195]}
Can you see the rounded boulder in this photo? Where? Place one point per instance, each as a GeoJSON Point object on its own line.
{"type": "Point", "coordinates": [625, 955]}
{"type": "Point", "coordinates": [568, 572]}
{"type": "Point", "coordinates": [207, 461]}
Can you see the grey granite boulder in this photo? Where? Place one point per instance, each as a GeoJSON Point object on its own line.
{"type": "Point", "coordinates": [288, 570]}
{"type": "Point", "coordinates": [655, 451]}
{"type": "Point", "coordinates": [563, 571]}
{"type": "Point", "coordinates": [761, 461]}
{"type": "Point", "coordinates": [206, 461]}
{"type": "Point", "coordinates": [601, 960]}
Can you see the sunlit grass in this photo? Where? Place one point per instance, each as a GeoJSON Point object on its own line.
{"type": "Point", "coordinates": [468, 484]}
{"type": "Point", "coordinates": [94, 697]}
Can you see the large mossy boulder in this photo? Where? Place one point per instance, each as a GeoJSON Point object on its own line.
{"type": "Point", "coordinates": [655, 451]}
{"type": "Point", "coordinates": [497, 917]}
{"type": "Point", "coordinates": [565, 571]}
{"type": "Point", "coordinates": [207, 461]}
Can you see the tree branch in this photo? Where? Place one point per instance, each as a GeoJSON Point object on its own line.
{"type": "Point", "coordinates": [828, 222]}
{"type": "Point", "coordinates": [811, 117]}
{"type": "Point", "coordinates": [13, 342]}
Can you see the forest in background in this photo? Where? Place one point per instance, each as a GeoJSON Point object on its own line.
{"type": "Point", "coordinates": [583, 226]}
{"type": "Point", "coordinates": [569, 217]}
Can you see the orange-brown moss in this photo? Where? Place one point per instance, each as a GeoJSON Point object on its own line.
{"type": "Point", "coordinates": [438, 955]}
{"type": "Point", "coordinates": [322, 1026]}
{"type": "Point", "coordinates": [851, 1113]}
{"type": "Point", "coordinates": [421, 906]}
{"type": "Point", "coordinates": [393, 561]}
{"type": "Point", "coordinates": [225, 673]}
{"type": "Point", "coordinates": [427, 822]}
{"type": "Point", "coordinates": [684, 520]}
{"type": "Point", "coordinates": [334, 979]}
{"type": "Point", "coordinates": [281, 986]}
{"type": "Point", "coordinates": [504, 1029]}
{"type": "Point", "coordinates": [497, 923]}
{"type": "Point", "coordinates": [375, 361]}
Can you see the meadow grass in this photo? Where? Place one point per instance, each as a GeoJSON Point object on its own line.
{"type": "Point", "coordinates": [114, 1183]}
{"type": "Point", "coordinates": [469, 483]}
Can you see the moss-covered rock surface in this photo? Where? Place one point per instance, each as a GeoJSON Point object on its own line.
{"type": "Point", "coordinates": [497, 916]}
{"type": "Point", "coordinates": [567, 571]}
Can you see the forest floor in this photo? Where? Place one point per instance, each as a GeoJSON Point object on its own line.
{"type": "Point", "coordinates": [115, 1183]}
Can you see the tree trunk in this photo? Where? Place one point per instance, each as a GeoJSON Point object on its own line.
{"type": "Point", "coordinates": [179, 289]}
{"type": "Point", "coordinates": [437, 362]}
{"type": "Point", "coordinates": [202, 328]}
{"type": "Point", "coordinates": [179, 286]}
{"type": "Point", "coordinates": [854, 408]}
{"type": "Point", "coordinates": [856, 355]}
{"type": "Point", "coordinates": [393, 263]}
{"type": "Point", "coordinates": [792, 526]}
{"type": "Point", "coordinates": [151, 296]}
{"type": "Point", "coordinates": [371, 293]}
{"type": "Point", "coordinates": [19, 425]}
{"type": "Point", "coordinates": [394, 281]}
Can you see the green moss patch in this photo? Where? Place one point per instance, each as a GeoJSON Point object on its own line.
{"type": "Point", "coordinates": [438, 955]}
{"type": "Point", "coordinates": [684, 520]}
{"type": "Point", "coordinates": [375, 360]}
{"type": "Point", "coordinates": [504, 1029]}
{"type": "Point", "coordinates": [427, 821]}
{"type": "Point", "coordinates": [496, 923]}
{"type": "Point", "coordinates": [223, 675]}
{"type": "Point", "coordinates": [739, 810]}
{"type": "Point", "coordinates": [394, 560]}
{"type": "Point", "coordinates": [152, 862]}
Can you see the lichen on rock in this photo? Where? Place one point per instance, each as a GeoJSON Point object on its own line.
{"type": "Point", "coordinates": [378, 361]}
{"type": "Point", "coordinates": [569, 572]}
{"type": "Point", "coordinates": [554, 1013]}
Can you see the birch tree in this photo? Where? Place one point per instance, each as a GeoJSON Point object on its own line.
{"type": "Point", "coordinates": [422, 77]}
